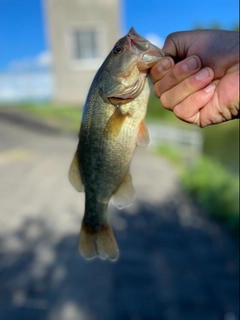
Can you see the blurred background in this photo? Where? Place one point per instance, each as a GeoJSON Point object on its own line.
{"type": "Point", "coordinates": [179, 240]}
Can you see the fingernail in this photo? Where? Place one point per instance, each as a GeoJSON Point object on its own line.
{"type": "Point", "coordinates": [165, 65]}
{"type": "Point", "coordinates": [190, 65]}
{"type": "Point", "coordinates": [202, 74]}
{"type": "Point", "coordinates": [210, 88]}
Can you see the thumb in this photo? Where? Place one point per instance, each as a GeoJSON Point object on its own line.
{"type": "Point", "coordinates": [177, 44]}
{"type": "Point", "coordinates": [169, 46]}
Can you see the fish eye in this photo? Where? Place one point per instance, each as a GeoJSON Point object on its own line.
{"type": "Point", "coordinates": [117, 49]}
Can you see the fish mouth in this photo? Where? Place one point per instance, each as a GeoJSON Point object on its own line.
{"type": "Point", "coordinates": [148, 52]}
{"type": "Point", "coordinates": [140, 42]}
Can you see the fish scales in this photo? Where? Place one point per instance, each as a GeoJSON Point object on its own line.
{"type": "Point", "coordinates": [112, 125]}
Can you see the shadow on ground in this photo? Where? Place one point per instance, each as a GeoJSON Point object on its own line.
{"type": "Point", "coordinates": [169, 268]}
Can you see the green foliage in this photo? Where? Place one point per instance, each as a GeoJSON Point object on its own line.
{"type": "Point", "coordinates": [209, 183]}
{"type": "Point", "coordinates": [221, 142]}
{"type": "Point", "coordinates": [173, 155]}
{"type": "Point", "coordinates": [156, 111]}
{"type": "Point", "coordinates": [236, 28]}
{"type": "Point", "coordinates": [215, 190]}
{"type": "Point", "coordinates": [215, 25]}
{"type": "Point", "coordinates": [170, 153]}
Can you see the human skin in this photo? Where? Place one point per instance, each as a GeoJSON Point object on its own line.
{"type": "Point", "coordinates": [203, 88]}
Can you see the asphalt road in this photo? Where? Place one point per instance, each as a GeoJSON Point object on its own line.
{"type": "Point", "coordinates": [175, 263]}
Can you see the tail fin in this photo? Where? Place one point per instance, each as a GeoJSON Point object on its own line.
{"type": "Point", "coordinates": [100, 243]}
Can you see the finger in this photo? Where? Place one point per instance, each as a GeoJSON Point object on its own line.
{"type": "Point", "coordinates": [178, 43]}
{"type": "Point", "coordinates": [188, 86]}
{"type": "Point", "coordinates": [170, 45]}
{"type": "Point", "coordinates": [219, 110]}
{"type": "Point", "coordinates": [178, 73]}
{"type": "Point", "coordinates": [190, 109]}
{"type": "Point", "coordinates": [159, 70]}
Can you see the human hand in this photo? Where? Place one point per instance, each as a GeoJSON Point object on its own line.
{"type": "Point", "coordinates": [203, 88]}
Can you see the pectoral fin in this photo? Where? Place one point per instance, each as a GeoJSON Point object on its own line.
{"type": "Point", "coordinates": [125, 193]}
{"type": "Point", "coordinates": [114, 124]}
{"type": "Point", "coordinates": [143, 137]}
{"type": "Point", "coordinates": [74, 174]}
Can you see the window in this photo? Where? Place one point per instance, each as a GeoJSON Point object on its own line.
{"type": "Point", "coordinates": [85, 44]}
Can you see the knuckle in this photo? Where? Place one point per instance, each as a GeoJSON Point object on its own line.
{"type": "Point", "coordinates": [189, 85]}
{"type": "Point", "coordinates": [178, 111]}
{"type": "Point", "coordinates": [165, 101]}
{"type": "Point", "coordinates": [186, 86]}
{"type": "Point", "coordinates": [188, 107]}
{"type": "Point", "coordinates": [194, 99]}
{"type": "Point", "coordinates": [173, 76]}
{"type": "Point", "coordinates": [169, 37]}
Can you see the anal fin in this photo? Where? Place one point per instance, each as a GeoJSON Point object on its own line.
{"type": "Point", "coordinates": [124, 195]}
{"type": "Point", "coordinates": [74, 174]}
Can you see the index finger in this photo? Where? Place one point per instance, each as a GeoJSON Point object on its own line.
{"type": "Point", "coordinates": [175, 75]}
{"type": "Point", "coordinates": [159, 70]}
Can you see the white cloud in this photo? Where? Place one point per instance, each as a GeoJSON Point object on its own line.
{"type": "Point", "coordinates": [25, 86]}
{"type": "Point", "coordinates": [26, 79]}
{"type": "Point", "coordinates": [155, 39]}
{"type": "Point", "coordinates": [42, 61]}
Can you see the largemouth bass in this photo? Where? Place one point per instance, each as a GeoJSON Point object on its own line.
{"type": "Point", "coordinates": [112, 125]}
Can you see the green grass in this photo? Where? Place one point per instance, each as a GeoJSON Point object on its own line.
{"type": "Point", "coordinates": [157, 112]}
{"type": "Point", "coordinates": [64, 118]}
{"type": "Point", "coordinates": [217, 191]}
{"type": "Point", "coordinates": [221, 143]}
{"type": "Point", "coordinates": [212, 186]}
{"type": "Point", "coordinates": [67, 118]}
{"type": "Point", "coordinates": [173, 155]}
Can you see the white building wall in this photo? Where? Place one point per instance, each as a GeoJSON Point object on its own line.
{"type": "Point", "coordinates": [72, 78]}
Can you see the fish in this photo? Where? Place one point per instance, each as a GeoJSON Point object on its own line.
{"type": "Point", "coordinates": [112, 126]}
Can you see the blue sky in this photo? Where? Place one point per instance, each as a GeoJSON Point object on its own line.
{"type": "Point", "coordinates": [24, 46]}
{"type": "Point", "coordinates": [22, 34]}
{"type": "Point", "coordinates": [164, 17]}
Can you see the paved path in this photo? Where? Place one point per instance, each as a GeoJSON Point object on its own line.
{"type": "Point", "coordinates": [174, 263]}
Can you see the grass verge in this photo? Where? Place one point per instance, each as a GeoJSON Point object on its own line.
{"type": "Point", "coordinates": [64, 118]}
{"type": "Point", "coordinates": [214, 188]}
